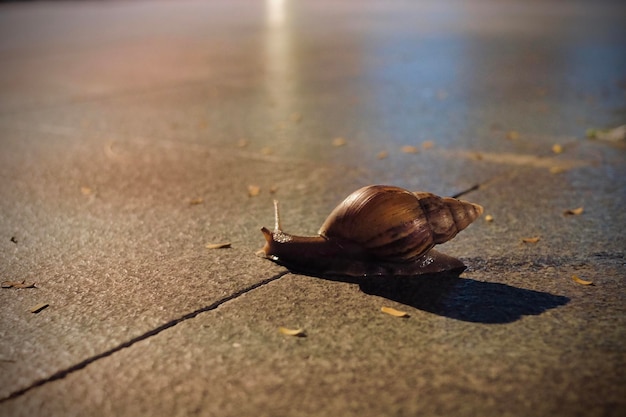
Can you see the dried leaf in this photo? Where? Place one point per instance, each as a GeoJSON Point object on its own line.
{"type": "Point", "coordinates": [557, 149]}
{"type": "Point", "coordinates": [86, 191]}
{"type": "Point", "coordinates": [613, 135]}
{"type": "Point", "coordinates": [195, 201]}
{"type": "Point", "coordinates": [512, 135]}
{"type": "Point", "coordinates": [253, 190]}
{"type": "Point", "coordinates": [488, 218]}
{"type": "Point", "coordinates": [410, 149]}
{"type": "Point", "coordinates": [292, 332]}
{"type": "Point", "coordinates": [24, 285]}
{"type": "Point", "coordinates": [17, 284]}
{"type": "Point", "coordinates": [217, 245]}
{"type": "Point", "coordinates": [382, 155]}
{"type": "Point", "coordinates": [393, 312]}
{"type": "Point", "coordinates": [534, 239]}
{"type": "Point", "coordinates": [39, 307]}
{"type": "Point", "coordinates": [557, 170]}
{"type": "Point", "coordinates": [574, 212]}
{"type": "Point", "coordinates": [337, 142]}
{"type": "Point", "coordinates": [577, 280]}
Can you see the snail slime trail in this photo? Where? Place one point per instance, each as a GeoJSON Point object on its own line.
{"type": "Point", "coordinates": [378, 230]}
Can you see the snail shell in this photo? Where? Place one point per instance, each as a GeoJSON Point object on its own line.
{"type": "Point", "coordinates": [376, 230]}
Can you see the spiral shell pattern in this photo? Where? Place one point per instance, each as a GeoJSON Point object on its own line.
{"type": "Point", "coordinates": [393, 224]}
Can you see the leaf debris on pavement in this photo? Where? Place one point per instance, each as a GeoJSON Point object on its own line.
{"type": "Point", "coordinates": [382, 154]}
{"type": "Point", "coordinates": [410, 149]}
{"type": "Point", "coordinates": [39, 307]}
{"type": "Point", "coordinates": [533, 239]}
{"type": "Point", "coordinates": [580, 281]}
{"type": "Point", "coordinates": [557, 169]}
{"type": "Point", "coordinates": [612, 135]}
{"type": "Point", "coordinates": [337, 142]}
{"type": "Point", "coordinates": [221, 245]}
{"type": "Point", "coordinates": [393, 312]}
{"type": "Point", "coordinates": [253, 190]}
{"type": "Point", "coordinates": [292, 332]}
{"type": "Point", "coordinates": [17, 284]}
{"type": "Point", "coordinates": [512, 135]}
{"type": "Point", "coordinates": [574, 212]}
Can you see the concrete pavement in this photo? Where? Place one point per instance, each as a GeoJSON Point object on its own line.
{"type": "Point", "coordinates": [131, 132]}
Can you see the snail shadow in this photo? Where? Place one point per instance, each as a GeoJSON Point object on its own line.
{"type": "Point", "coordinates": [459, 298]}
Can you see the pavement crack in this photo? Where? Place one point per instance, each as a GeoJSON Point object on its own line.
{"type": "Point", "coordinates": [466, 191]}
{"type": "Point", "coordinates": [83, 364]}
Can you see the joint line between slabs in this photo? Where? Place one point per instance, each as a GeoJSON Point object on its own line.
{"type": "Point", "coordinates": [65, 372]}
{"type": "Point", "coordinates": [466, 191]}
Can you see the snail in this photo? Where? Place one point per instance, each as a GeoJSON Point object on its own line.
{"type": "Point", "coordinates": [378, 230]}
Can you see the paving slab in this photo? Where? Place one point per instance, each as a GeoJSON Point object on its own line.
{"type": "Point", "coordinates": [545, 356]}
{"type": "Point", "coordinates": [131, 132]}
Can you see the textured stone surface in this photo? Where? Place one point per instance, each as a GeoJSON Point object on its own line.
{"type": "Point", "coordinates": [130, 133]}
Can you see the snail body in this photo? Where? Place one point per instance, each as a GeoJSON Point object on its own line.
{"type": "Point", "coordinates": [377, 230]}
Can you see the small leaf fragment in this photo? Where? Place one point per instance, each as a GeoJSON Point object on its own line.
{"type": "Point", "coordinates": [337, 142]}
{"type": "Point", "coordinates": [382, 154]}
{"type": "Point", "coordinates": [612, 135]}
{"type": "Point", "coordinates": [39, 307]}
{"type": "Point", "coordinates": [17, 284]}
{"type": "Point", "coordinates": [557, 149]}
{"type": "Point", "coordinates": [410, 149]}
{"type": "Point", "coordinates": [221, 245]}
{"type": "Point", "coordinates": [253, 190]}
{"type": "Point", "coordinates": [393, 312]}
{"type": "Point", "coordinates": [292, 332]}
{"type": "Point", "coordinates": [195, 201]}
{"type": "Point", "coordinates": [580, 281]}
{"type": "Point", "coordinates": [533, 239]}
{"type": "Point", "coordinates": [512, 135]}
{"type": "Point", "coordinates": [488, 218]}
{"type": "Point", "coordinates": [574, 212]}
{"type": "Point", "coordinates": [86, 190]}
{"type": "Point", "coordinates": [428, 144]}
